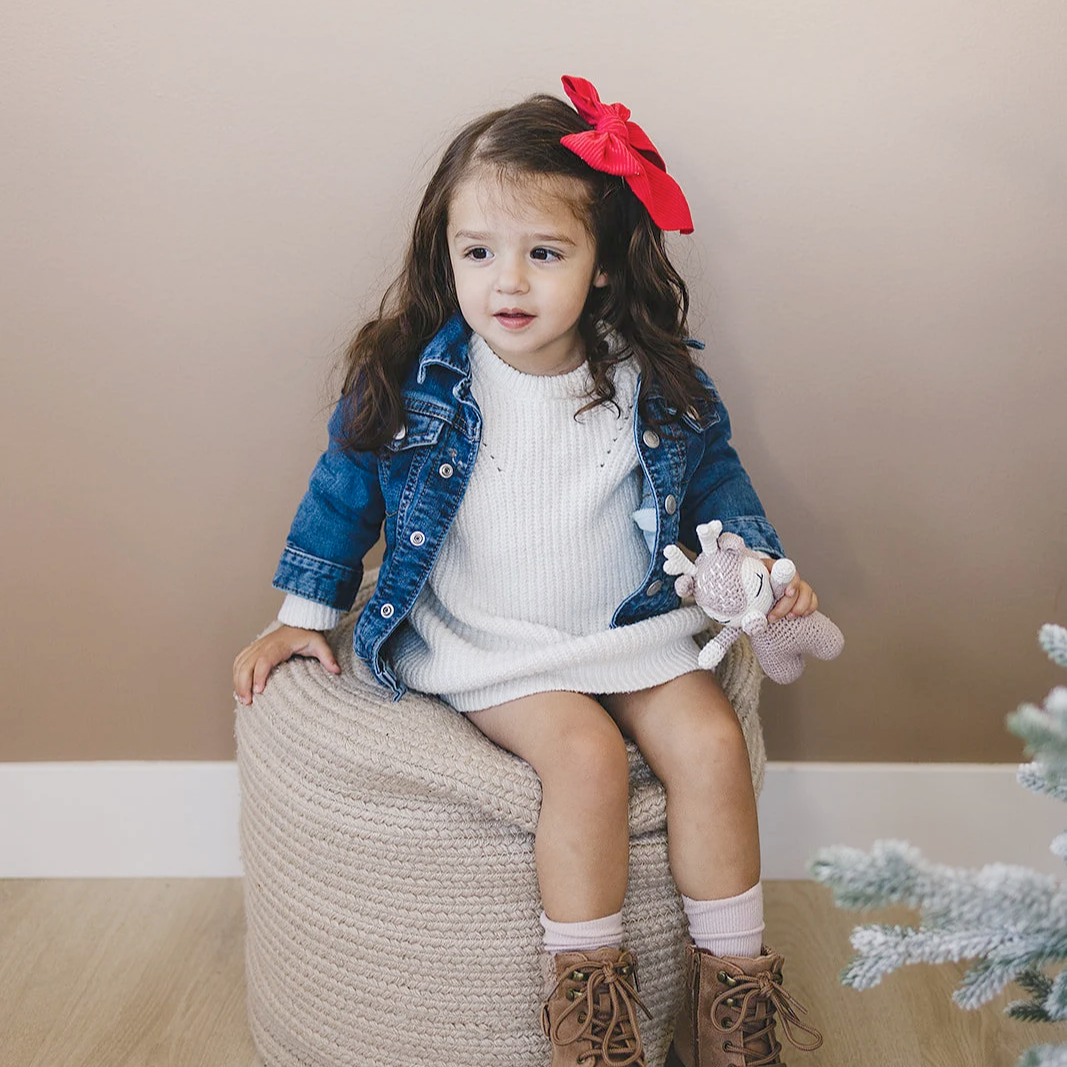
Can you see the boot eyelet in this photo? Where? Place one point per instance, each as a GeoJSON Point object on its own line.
{"type": "Point", "coordinates": [722, 976]}
{"type": "Point", "coordinates": [573, 994]}
{"type": "Point", "coordinates": [578, 976]}
{"type": "Point", "coordinates": [581, 1017]}
{"type": "Point", "coordinates": [726, 1046]}
{"type": "Point", "coordinates": [730, 1001]}
{"type": "Point", "coordinates": [726, 1021]}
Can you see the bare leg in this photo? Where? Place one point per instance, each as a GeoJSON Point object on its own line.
{"type": "Point", "coordinates": [689, 734]}
{"type": "Point", "coordinates": [583, 839]}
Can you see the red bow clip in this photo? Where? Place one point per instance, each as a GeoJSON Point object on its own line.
{"type": "Point", "coordinates": [618, 146]}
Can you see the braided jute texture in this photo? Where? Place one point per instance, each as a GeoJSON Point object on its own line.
{"type": "Point", "coordinates": [391, 893]}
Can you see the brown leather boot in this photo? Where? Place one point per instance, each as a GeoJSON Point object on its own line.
{"type": "Point", "coordinates": [733, 1000]}
{"type": "Point", "coordinates": [589, 1016]}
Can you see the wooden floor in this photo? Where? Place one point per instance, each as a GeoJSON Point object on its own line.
{"type": "Point", "coordinates": [148, 973]}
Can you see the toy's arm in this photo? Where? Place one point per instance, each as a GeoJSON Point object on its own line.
{"type": "Point", "coordinates": [782, 573]}
{"type": "Point", "coordinates": [712, 653]}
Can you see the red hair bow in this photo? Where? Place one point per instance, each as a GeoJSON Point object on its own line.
{"type": "Point", "coordinates": [618, 146]}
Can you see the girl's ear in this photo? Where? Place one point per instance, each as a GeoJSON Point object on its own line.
{"type": "Point", "coordinates": [600, 279]}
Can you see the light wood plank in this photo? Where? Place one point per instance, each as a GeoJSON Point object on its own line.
{"type": "Point", "coordinates": [137, 973]}
{"type": "Point", "coordinates": [149, 973]}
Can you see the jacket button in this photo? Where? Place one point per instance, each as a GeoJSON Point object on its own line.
{"type": "Point", "coordinates": [651, 438]}
{"type": "Point", "coordinates": [418, 538]}
{"type": "Point", "coordinates": [400, 434]}
{"type": "Point", "coordinates": [654, 588]}
{"type": "Point", "coordinates": [670, 505]}
{"type": "Point", "coordinates": [445, 470]}
{"type": "Point", "coordinates": [387, 611]}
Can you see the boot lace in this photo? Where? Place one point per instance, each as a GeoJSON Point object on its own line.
{"type": "Point", "coordinates": [748, 993]}
{"type": "Point", "coordinates": [610, 1025]}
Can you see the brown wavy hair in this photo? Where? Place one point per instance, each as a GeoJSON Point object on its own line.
{"type": "Point", "coordinates": [645, 301]}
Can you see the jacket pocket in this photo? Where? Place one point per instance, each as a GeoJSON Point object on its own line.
{"type": "Point", "coordinates": [418, 430]}
{"type": "Point", "coordinates": [404, 463]}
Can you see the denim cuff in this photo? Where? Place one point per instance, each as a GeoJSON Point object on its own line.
{"type": "Point", "coordinates": [321, 580]}
{"type": "Point", "coordinates": [757, 533]}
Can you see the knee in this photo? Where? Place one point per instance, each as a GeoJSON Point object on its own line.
{"type": "Point", "coordinates": [712, 744]}
{"type": "Point", "coordinates": [588, 761]}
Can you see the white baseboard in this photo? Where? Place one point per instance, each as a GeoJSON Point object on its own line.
{"type": "Point", "coordinates": [179, 819]}
{"type": "Point", "coordinates": [158, 819]}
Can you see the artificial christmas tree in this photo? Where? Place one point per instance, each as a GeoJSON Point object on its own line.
{"type": "Point", "coordinates": [1011, 920]}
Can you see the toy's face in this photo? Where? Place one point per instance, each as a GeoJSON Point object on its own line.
{"type": "Point", "coordinates": [749, 589]}
{"type": "Point", "coordinates": [757, 581]}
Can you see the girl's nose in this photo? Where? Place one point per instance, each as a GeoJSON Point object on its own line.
{"type": "Point", "coordinates": [511, 275]}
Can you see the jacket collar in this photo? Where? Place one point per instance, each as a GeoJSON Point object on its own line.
{"type": "Point", "coordinates": [448, 348]}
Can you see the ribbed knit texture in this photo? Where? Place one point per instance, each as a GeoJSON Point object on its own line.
{"type": "Point", "coordinates": [542, 550]}
{"type": "Point", "coordinates": [732, 926]}
{"type": "Point", "coordinates": [582, 936]}
{"type": "Point", "coordinates": [308, 614]}
{"type": "Point", "coordinates": [391, 894]}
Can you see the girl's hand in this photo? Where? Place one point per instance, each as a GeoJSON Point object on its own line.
{"type": "Point", "coordinates": [798, 600]}
{"type": "Point", "coordinates": [253, 664]}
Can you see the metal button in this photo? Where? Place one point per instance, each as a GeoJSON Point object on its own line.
{"type": "Point", "coordinates": [651, 438]}
{"type": "Point", "coordinates": [670, 505]}
{"type": "Point", "coordinates": [445, 470]}
{"type": "Point", "coordinates": [654, 588]}
{"type": "Point", "coordinates": [418, 538]}
{"type": "Point", "coordinates": [400, 434]}
{"type": "Point", "coordinates": [387, 611]}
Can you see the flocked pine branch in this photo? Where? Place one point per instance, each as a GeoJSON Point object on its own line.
{"type": "Point", "coordinates": [1011, 921]}
{"type": "Point", "coordinates": [1054, 641]}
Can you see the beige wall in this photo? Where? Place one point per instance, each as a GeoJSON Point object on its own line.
{"type": "Point", "coordinates": [200, 199]}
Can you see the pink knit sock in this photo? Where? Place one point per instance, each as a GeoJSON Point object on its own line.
{"type": "Point", "coordinates": [582, 936]}
{"type": "Point", "coordinates": [729, 927]}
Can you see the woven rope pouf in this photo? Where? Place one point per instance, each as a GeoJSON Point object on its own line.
{"type": "Point", "coordinates": [391, 895]}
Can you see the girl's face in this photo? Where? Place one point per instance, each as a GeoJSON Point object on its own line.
{"type": "Point", "coordinates": [523, 265]}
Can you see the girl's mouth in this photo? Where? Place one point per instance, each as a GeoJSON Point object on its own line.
{"type": "Point", "coordinates": [513, 320]}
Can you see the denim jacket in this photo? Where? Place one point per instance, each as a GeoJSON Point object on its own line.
{"type": "Point", "coordinates": [415, 482]}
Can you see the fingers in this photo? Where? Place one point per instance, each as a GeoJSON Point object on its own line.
{"type": "Point", "coordinates": [242, 678]}
{"type": "Point", "coordinates": [261, 670]}
{"type": "Point", "coordinates": [798, 600]}
{"type": "Point", "coordinates": [319, 647]}
{"type": "Point", "coordinates": [253, 665]}
{"type": "Point", "coordinates": [250, 671]}
{"type": "Point", "coordinates": [806, 602]}
{"type": "Point", "coordinates": [784, 605]}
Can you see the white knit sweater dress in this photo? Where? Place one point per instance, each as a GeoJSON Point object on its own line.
{"type": "Point", "coordinates": [542, 550]}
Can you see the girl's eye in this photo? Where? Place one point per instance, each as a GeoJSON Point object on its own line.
{"type": "Point", "coordinates": [546, 255]}
{"type": "Point", "coordinates": [478, 253]}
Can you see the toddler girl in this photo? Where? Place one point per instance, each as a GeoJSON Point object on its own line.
{"type": "Point", "coordinates": [525, 418]}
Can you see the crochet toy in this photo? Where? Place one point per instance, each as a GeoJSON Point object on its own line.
{"type": "Point", "coordinates": [731, 584]}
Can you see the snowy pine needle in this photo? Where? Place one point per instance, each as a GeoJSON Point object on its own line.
{"type": "Point", "coordinates": [1011, 921]}
{"type": "Point", "coordinates": [1044, 1056]}
{"type": "Point", "coordinates": [1053, 640]}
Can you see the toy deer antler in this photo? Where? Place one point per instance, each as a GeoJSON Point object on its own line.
{"type": "Point", "coordinates": [679, 563]}
{"type": "Point", "coordinates": [708, 534]}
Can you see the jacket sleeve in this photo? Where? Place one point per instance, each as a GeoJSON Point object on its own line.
{"type": "Point", "coordinates": [338, 521]}
{"type": "Point", "coordinates": [721, 489]}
